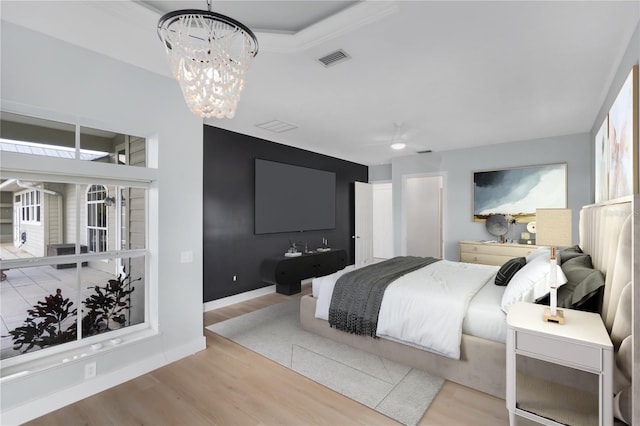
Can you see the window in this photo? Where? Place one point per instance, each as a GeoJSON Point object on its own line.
{"type": "Point", "coordinates": [97, 218]}
{"type": "Point", "coordinates": [30, 207]}
{"type": "Point", "coordinates": [76, 267]}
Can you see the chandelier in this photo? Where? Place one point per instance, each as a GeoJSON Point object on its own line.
{"type": "Point", "coordinates": [209, 55]}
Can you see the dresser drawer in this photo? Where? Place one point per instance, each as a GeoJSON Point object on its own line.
{"type": "Point", "coordinates": [485, 259]}
{"type": "Point", "coordinates": [561, 351]}
{"type": "Point", "coordinates": [492, 253]}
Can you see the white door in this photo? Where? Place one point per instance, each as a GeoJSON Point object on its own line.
{"type": "Point", "coordinates": [382, 220]}
{"type": "Point", "coordinates": [423, 216]}
{"type": "Point", "coordinates": [364, 223]}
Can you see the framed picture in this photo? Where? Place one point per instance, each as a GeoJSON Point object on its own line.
{"type": "Point", "coordinates": [602, 162]}
{"type": "Point", "coordinates": [622, 138]}
{"type": "Point", "coordinates": [518, 192]}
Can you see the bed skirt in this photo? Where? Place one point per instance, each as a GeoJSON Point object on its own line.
{"type": "Point", "coordinates": [481, 365]}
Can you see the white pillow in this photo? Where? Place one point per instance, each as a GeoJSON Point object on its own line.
{"type": "Point", "coordinates": [530, 283]}
{"type": "Point", "coordinates": [538, 253]}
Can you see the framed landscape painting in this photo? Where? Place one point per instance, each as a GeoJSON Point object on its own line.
{"type": "Point", "coordinates": [518, 192]}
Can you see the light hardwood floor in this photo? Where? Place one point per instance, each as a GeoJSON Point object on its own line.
{"type": "Point", "coordinates": [229, 385]}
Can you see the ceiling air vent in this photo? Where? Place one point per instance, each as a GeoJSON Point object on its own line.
{"type": "Point", "coordinates": [277, 126]}
{"type": "Point", "coordinates": [334, 58]}
{"type": "Point", "coordinates": [425, 151]}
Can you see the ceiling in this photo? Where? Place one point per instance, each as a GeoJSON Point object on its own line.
{"type": "Point", "coordinates": [439, 75]}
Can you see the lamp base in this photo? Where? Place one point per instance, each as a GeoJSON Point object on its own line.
{"type": "Point", "coordinates": [558, 318]}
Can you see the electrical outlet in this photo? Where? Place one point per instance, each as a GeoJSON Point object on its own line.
{"type": "Point", "coordinates": [90, 370]}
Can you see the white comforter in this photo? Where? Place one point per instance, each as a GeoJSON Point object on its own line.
{"type": "Point", "coordinates": [424, 308]}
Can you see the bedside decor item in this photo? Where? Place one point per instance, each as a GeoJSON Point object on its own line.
{"type": "Point", "coordinates": [209, 55]}
{"type": "Point", "coordinates": [553, 230]}
{"type": "Point", "coordinates": [519, 191]}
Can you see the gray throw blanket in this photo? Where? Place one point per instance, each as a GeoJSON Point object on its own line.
{"type": "Point", "coordinates": [357, 295]}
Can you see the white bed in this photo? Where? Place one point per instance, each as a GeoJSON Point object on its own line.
{"type": "Point", "coordinates": [481, 364]}
{"type": "Point", "coordinates": [484, 318]}
{"type": "Point", "coordinates": [426, 308]}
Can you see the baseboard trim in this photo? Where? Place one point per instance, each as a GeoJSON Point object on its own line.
{"type": "Point", "coordinates": [237, 298]}
{"type": "Point", "coordinates": [41, 406]}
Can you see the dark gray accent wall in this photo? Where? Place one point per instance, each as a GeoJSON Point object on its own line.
{"type": "Point", "coordinates": [230, 247]}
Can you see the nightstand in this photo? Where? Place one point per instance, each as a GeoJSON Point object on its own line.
{"type": "Point", "coordinates": [539, 386]}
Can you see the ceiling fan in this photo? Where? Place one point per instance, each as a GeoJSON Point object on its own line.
{"type": "Point", "coordinates": [402, 138]}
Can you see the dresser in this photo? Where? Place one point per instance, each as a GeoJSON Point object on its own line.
{"type": "Point", "coordinates": [492, 253]}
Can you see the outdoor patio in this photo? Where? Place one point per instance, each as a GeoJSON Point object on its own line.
{"type": "Point", "coordinates": [24, 287]}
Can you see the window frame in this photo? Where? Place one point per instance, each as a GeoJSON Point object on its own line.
{"type": "Point", "coordinates": [29, 167]}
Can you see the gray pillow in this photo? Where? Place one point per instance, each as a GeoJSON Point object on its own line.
{"type": "Point", "coordinates": [583, 282]}
{"type": "Point", "coordinates": [509, 269]}
{"type": "Point", "coordinates": [569, 253]}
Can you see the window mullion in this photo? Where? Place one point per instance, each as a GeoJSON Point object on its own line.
{"type": "Point", "coordinates": [78, 251]}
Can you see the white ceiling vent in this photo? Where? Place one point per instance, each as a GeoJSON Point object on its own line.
{"type": "Point", "coordinates": [277, 126]}
{"type": "Point", "coordinates": [334, 58]}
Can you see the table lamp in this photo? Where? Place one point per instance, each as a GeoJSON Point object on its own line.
{"type": "Point", "coordinates": [553, 227]}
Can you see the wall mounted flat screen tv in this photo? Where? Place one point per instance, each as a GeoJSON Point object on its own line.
{"type": "Point", "coordinates": [291, 198]}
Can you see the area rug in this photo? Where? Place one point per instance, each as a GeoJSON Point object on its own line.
{"type": "Point", "coordinates": [393, 389]}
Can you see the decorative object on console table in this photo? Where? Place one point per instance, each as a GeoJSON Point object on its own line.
{"type": "Point", "coordinates": [553, 230]}
{"type": "Point", "coordinates": [293, 250]}
{"type": "Point", "coordinates": [287, 272]}
{"type": "Point", "coordinates": [325, 245]}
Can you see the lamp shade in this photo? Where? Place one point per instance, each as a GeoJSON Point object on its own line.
{"type": "Point", "coordinates": [553, 227]}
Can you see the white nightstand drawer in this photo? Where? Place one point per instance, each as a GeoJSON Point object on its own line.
{"type": "Point", "coordinates": [565, 352]}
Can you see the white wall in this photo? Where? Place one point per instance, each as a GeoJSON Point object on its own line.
{"type": "Point", "coordinates": [42, 75]}
{"type": "Point", "coordinates": [457, 167]}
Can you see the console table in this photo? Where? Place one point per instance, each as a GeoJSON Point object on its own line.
{"type": "Point", "coordinates": [287, 272]}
